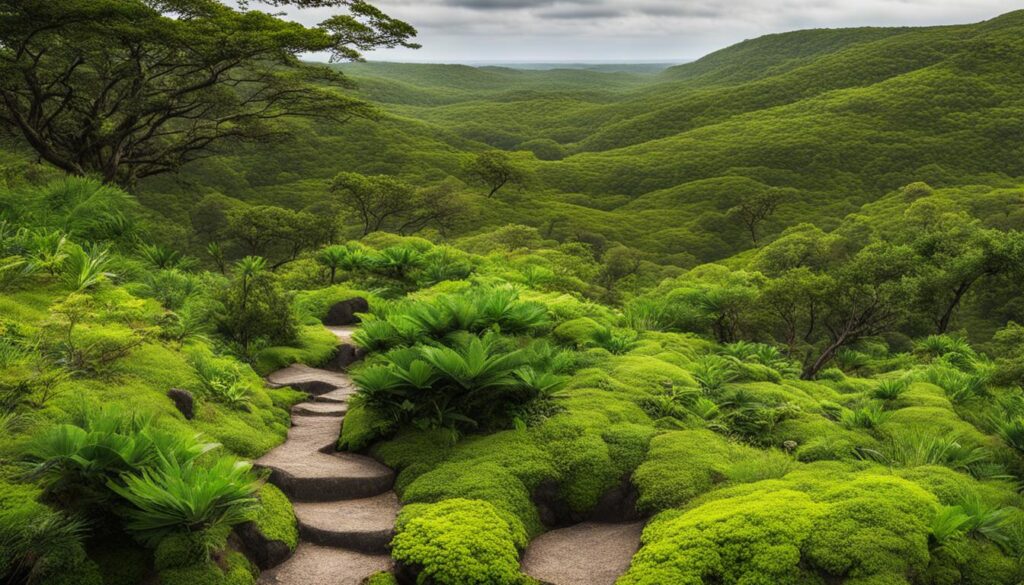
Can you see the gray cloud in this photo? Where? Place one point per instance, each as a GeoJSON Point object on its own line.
{"type": "Point", "coordinates": [661, 30]}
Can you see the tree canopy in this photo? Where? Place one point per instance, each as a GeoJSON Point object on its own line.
{"type": "Point", "coordinates": [126, 89]}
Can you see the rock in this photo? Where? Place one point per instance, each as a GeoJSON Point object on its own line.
{"type": "Point", "coordinates": [345, 356]}
{"type": "Point", "coordinates": [616, 505]}
{"type": "Point", "coordinates": [344, 313]}
{"type": "Point", "coordinates": [183, 401]}
{"type": "Point", "coordinates": [265, 553]}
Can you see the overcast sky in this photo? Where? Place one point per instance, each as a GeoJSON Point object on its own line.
{"type": "Point", "coordinates": [458, 31]}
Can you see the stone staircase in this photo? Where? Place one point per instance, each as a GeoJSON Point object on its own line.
{"type": "Point", "coordinates": [344, 502]}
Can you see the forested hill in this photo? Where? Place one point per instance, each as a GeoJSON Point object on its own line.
{"type": "Point", "coordinates": [832, 119]}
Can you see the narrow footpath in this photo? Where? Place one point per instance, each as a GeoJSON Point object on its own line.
{"type": "Point", "coordinates": [344, 503]}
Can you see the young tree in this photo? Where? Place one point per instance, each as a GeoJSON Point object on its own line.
{"type": "Point", "coordinates": [267, 230]}
{"type": "Point", "coordinates": [385, 203]}
{"type": "Point", "coordinates": [255, 307]}
{"type": "Point", "coordinates": [753, 210]}
{"type": "Point", "coordinates": [869, 294]}
{"type": "Point", "coordinates": [494, 169]}
{"type": "Point", "coordinates": [374, 200]}
{"type": "Point", "coordinates": [125, 89]}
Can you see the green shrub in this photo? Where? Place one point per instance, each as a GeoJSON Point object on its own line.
{"type": "Point", "coordinates": [40, 542]}
{"type": "Point", "coordinates": [475, 385]}
{"type": "Point", "coordinates": [811, 525]}
{"type": "Point", "coordinates": [578, 332]}
{"type": "Point", "coordinates": [220, 379]}
{"type": "Point", "coordinates": [459, 542]}
{"type": "Point", "coordinates": [190, 497]}
{"type": "Point", "coordinates": [275, 517]}
{"type": "Point", "coordinates": [682, 465]}
{"type": "Point", "coordinates": [256, 309]}
{"type": "Point", "coordinates": [237, 571]}
{"type": "Point", "coordinates": [382, 579]}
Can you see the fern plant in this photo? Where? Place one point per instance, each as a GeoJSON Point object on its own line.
{"type": "Point", "coordinates": [84, 269]}
{"type": "Point", "coordinates": [176, 496]}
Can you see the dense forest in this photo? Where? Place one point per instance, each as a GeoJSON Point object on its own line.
{"type": "Point", "coordinates": [756, 319]}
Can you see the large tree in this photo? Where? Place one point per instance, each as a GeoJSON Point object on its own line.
{"type": "Point", "coordinates": [125, 89]}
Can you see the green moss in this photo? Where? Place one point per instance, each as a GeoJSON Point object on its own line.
{"type": "Point", "coordinates": [361, 427]}
{"type": "Point", "coordinates": [275, 517]}
{"type": "Point", "coordinates": [949, 486]}
{"type": "Point", "coordinates": [180, 550]}
{"type": "Point", "coordinates": [492, 483]}
{"type": "Point", "coordinates": [577, 332]}
{"type": "Point", "coordinates": [459, 542]}
{"type": "Point", "coordinates": [649, 374]}
{"type": "Point", "coordinates": [816, 522]}
{"type": "Point", "coordinates": [314, 346]}
{"type": "Point", "coordinates": [382, 579]}
{"type": "Point", "coordinates": [237, 571]}
{"type": "Point", "coordinates": [680, 466]}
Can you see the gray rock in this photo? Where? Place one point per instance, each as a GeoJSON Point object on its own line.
{"type": "Point", "coordinates": [183, 401]}
{"type": "Point", "coordinates": [345, 356]}
{"type": "Point", "coordinates": [344, 313]}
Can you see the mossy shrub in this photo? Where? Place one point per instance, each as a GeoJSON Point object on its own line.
{"type": "Point", "coordinates": [275, 517]}
{"type": "Point", "coordinates": [459, 542]}
{"type": "Point", "coordinates": [809, 527]}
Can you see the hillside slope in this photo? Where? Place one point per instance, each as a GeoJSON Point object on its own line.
{"type": "Point", "coordinates": [836, 117]}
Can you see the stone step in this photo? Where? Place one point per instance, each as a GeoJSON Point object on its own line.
{"type": "Point", "coordinates": [333, 409]}
{"type": "Point", "coordinates": [340, 396]}
{"type": "Point", "coordinates": [319, 565]}
{"type": "Point", "coordinates": [365, 525]}
{"type": "Point", "coordinates": [312, 380]}
{"type": "Point", "coordinates": [306, 474]}
{"type": "Point", "coordinates": [590, 553]}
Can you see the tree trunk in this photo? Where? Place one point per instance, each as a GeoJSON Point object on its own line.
{"type": "Point", "coordinates": [812, 370]}
{"type": "Point", "coordinates": [947, 315]}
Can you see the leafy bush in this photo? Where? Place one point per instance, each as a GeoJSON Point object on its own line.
{"type": "Point", "coordinates": [221, 380]}
{"type": "Point", "coordinates": [713, 373]}
{"type": "Point", "coordinates": [890, 389]}
{"type": "Point", "coordinates": [475, 311]}
{"type": "Point", "coordinates": [185, 496]}
{"type": "Point", "coordinates": [76, 462]}
{"type": "Point", "coordinates": [256, 310]}
{"type": "Point", "coordinates": [476, 384]}
{"type": "Point", "coordinates": [83, 269]}
{"type": "Point", "coordinates": [914, 448]}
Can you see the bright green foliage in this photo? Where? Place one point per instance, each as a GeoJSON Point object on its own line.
{"type": "Point", "coordinates": [681, 466]}
{"type": "Point", "coordinates": [187, 496]}
{"type": "Point", "coordinates": [237, 571]}
{"type": "Point", "coordinates": [40, 542]}
{"type": "Point", "coordinates": [870, 529]}
{"type": "Point", "coordinates": [275, 517]}
{"type": "Point", "coordinates": [460, 542]}
{"type": "Point", "coordinates": [382, 579]}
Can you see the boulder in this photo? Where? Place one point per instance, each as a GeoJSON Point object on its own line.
{"type": "Point", "coordinates": [344, 313]}
{"type": "Point", "coordinates": [183, 401]}
{"type": "Point", "coordinates": [345, 356]}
